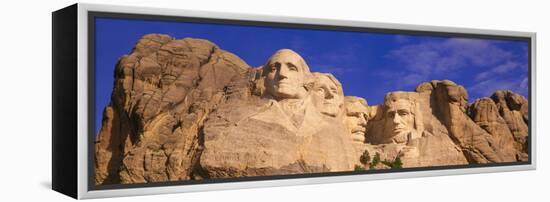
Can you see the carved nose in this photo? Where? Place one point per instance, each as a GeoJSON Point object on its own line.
{"type": "Point", "coordinates": [329, 95]}
{"type": "Point", "coordinates": [283, 72]}
{"type": "Point", "coordinates": [362, 121]}
{"type": "Point", "coordinates": [396, 119]}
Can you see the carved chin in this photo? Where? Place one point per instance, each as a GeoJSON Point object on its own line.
{"type": "Point", "coordinates": [401, 137]}
{"type": "Point", "coordinates": [400, 131]}
{"type": "Point", "coordinates": [285, 92]}
{"type": "Point", "coordinates": [330, 111]}
{"type": "Point", "coordinates": [358, 136]}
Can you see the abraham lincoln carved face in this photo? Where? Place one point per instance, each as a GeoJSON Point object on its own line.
{"type": "Point", "coordinates": [402, 117]}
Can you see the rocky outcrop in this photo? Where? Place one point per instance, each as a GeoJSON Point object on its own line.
{"type": "Point", "coordinates": [184, 109]}
{"type": "Point", "coordinates": [450, 104]}
{"type": "Point", "coordinates": [484, 113]}
{"type": "Point", "coordinates": [162, 94]}
{"type": "Point", "coordinates": [506, 121]}
{"type": "Point", "coordinates": [514, 109]}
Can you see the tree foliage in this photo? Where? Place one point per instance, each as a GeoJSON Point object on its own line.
{"type": "Point", "coordinates": [365, 158]}
{"type": "Point", "coordinates": [375, 160]}
{"type": "Point", "coordinates": [367, 162]}
{"type": "Point", "coordinates": [396, 163]}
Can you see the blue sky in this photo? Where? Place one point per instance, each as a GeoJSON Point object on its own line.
{"type": "Point", "coordinates": [367, 64]}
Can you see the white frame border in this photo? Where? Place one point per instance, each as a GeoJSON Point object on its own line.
{"type": "Point", "coordinates": [84, 193]}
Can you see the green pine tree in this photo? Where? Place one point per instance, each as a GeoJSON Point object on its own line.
{"type": "Point", "coordinates": [365, 158]}
{"type": "Point", "coordinates": [397, 163]}
{"type": "Point", "coordinates": [375, 160]}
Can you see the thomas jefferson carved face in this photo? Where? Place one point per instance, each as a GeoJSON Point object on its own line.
{"type": "Point", "coordinates": [356, 117]}
{"type": "Point", "coordinates": [328, 94]}
{"type": "Point", "coordinates": [285, 73]}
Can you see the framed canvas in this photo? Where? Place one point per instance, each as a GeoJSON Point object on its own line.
{"type": "Point", "coordinates": [151, 101]}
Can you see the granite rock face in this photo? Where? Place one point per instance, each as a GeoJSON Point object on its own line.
{"type": "Point", "coordinates": [408, 125]}
{"type": "Point", "coordinates": [450, 107]}
{"type": "Point", "coordinates": [505, 117]}
{"type": "Point", "coordinates": [162, 94]}
{"type": "Point", "coordinates": [184, 109]}
{"type": "Point", "coordinates": [274, 133]}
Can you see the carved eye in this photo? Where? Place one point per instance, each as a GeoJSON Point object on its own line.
{"type": "Point", "coordinates": [333, 90]}
{"type": "Point", "coordinates": [403, 113]}
{"type": "Point", "coordinates": [292, 67]}
{"type": "Point", "coordinates": [274, 66]}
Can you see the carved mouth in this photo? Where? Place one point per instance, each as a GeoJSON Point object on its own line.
{"type": "Point", "coordinates": [284, 81]}
{"type": "Point", "coordinates": [358, 129]}
{"type": "Point", "coordinates": [284, 84]}
{"type": "Point", "coordinates": [331, 106]}
{"type": "Point", "coordinates": [357, 132]}
{"type": "Point", "coordinates": [399, 129]}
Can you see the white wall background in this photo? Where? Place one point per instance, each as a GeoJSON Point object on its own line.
{"type": "Point", "coordinates": [25, 102]}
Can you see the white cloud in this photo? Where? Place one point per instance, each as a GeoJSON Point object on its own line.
{"type": "Point", "coordinates": [449, 55]}
{"type": "Point", "coordinates": [488, 87]}
{"type": "Point", "coordinates": [450, 58]}
{"type": "Point", "coordinates": [500, 69]}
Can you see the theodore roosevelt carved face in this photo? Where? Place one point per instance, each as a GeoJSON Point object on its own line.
{"type": "Point", "coordinates": [356, 118]}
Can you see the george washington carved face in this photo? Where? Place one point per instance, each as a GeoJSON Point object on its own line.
{"type": "Point", "coordinates": [285, 74]}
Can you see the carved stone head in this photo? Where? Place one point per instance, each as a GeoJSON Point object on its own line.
{"type": "Point", "coordinates": [356, 119]}
{"type": "Point", "coordinates": [285, 74]}
{"type": "Point", "coordinates": [327, 94]}
{"type": "Point", "coordinates": [402, 117]}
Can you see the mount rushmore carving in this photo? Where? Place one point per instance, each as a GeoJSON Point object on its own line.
{"type": "Point", "coordinates": [188, 110]}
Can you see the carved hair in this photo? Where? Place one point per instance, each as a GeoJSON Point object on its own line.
{"type": "Point", "coordinates": [349, 100]}
{"type": "Point", "coordinates": [354, 99]}
{"type": "Point", "coordinates": [301, 62]}
{"type": "Point", "coordinates": [311, 83]}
